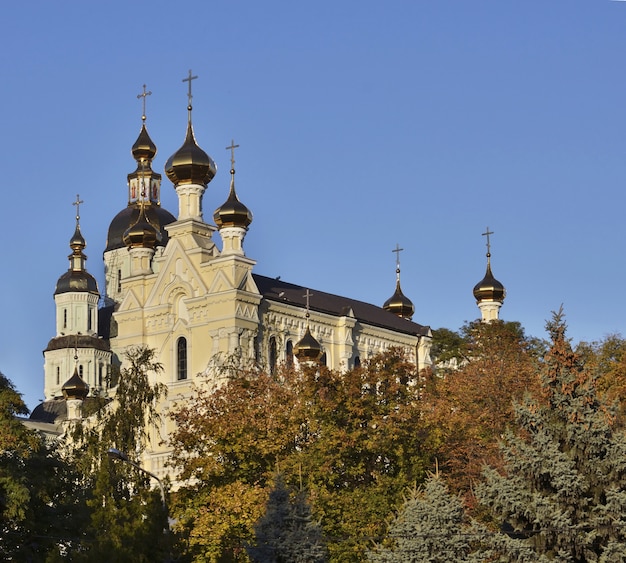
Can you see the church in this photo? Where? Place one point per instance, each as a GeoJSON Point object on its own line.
{"type": "Point", "coordinates": [183, 285]}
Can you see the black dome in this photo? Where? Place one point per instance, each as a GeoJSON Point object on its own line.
{"type": "Point", "coordinates": [128, 217]}
{"type": "Point", "coordinates": [76, 281]}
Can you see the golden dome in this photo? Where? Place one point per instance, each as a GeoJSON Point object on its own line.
{"type": "Point", "coordinates": [489, 288]}
{"type": "Point", "coordinates": [75, 387]}
{"type": "Point", "coordinates": [143, 148]}
{"type": "Point", "coordinates": [307, 349]}
{"type": "Point", "coordinates": [142, 233]}
{"type": "Point", "coordinates": [190, 164]}
{"type": "Point", "coordinates": [399, 304]}
{"type": "Point", "coordinates": [77, 242]}
{"type": "Point", "coordinates": [232, 213]}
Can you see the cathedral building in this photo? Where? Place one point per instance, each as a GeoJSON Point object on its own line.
{"type": "Point", "coordinates": [184, 286]}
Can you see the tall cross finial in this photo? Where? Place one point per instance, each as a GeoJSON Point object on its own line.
{"type": "Point", "coordinates": [232, 148]}
{"type": "Point", "coordinates": [77, 204]}
{"type": "Point", "coordinates": [308, 295]}
{"type": "Point", "coordinates": [486, 234]}
{"type": "Point", "coordinates": [397, 250]}
{"type": "Point", "coordinates": [189, 79]}
{"type": "Point", "coordinates": [144, 95]}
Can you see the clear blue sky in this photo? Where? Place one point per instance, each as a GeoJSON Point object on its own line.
{"type": "Point", "coordinates": [361, 124]}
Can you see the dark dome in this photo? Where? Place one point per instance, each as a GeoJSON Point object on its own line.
{"type": "Point", "coordinates": [75, 387]}
{"type": "Point", "coordinates": [399, 304]}
{"type": "Point", "coordinates": [190, 164]}
{"type": "Point", "coordinates": [489, 288]}
{"type": "Point", "coordinates": [127, 217]}
{"type": "Point", "coordinates": [307, 349]}
{"type": "Point", "coordinates": [73, 280]}
{"type": "Point", "coordinates": [232, 213]}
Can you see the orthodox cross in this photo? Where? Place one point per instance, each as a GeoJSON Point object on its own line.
{"type": "Point", "coordinates": [77, 204]}
{"type": "Point", "coordinates": [486, 234]}
{"type": "Point", "coordinates": [189, 79]}
{"type": "Point", "coordinates": [308, 294]}
{"type": "Point", "coordinates": [397, 250]}
{"type": "Point", "coordinates": [232, 148]}
{"type": "Point", "coordinates": [144, 95]}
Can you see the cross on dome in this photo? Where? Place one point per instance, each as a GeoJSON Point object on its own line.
{"type": "Point", "coordinates": [144, 95]}
{"type": "Point", "coordinates": [486, 234]}
{"type": "Point", "coordinates": [232, 148]}
{"type": "Point", "coordinates": [77, 204]}
{"type": "Point", "coordinates": [189, 78]}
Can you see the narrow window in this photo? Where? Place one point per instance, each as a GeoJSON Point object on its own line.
{"type": "Point", "coordinates": [289, 352]}
{"type": "Point", "coordinates": [323, 360]}
{"type": "Point", "coordinates": [357, 362]}
{"type": "Point", "coordinates": [119, 281]}
{"type": "Point", "coordinates": [64, 318]}
{"type": "Point", "coordinates": [80, 370]}
{"type": "Point", "coordinates": [100, 366]}
{"type": "Point", "coordinates": [89, 318]}
{"type": "Point", "coordinates": [272, 355]}
{"type": "Point", "coordinates": [58, 375]}
{"type": "Point", "coordinates": [181, 358]}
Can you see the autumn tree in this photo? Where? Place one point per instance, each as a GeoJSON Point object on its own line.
{"type": "Point", "coordinates": [38, 515]}
{"type": "Point", "coordinates": [562, 491]}
{"type": "Point", "coordinates": [469, 409]}
{"type": "Point", "coordinates": [355, 438]}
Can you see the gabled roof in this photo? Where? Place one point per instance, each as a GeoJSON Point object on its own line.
{"type": "Point", "coordinates": [276, 290]}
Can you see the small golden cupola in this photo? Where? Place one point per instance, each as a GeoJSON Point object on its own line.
{"type": "Point", "coordinates": [190, 164]}
{"type": "Point", "coordinates": [232, 213]}
{"type": "Point", "coordinates": [489, 292]}
{"type": "Point", "coordinates": [77, 279]}
{"type": "Point", "coordinates": [75, 387]}
{"type": "Point", "coordinates": [399, 304]}
{"type": "Point", "coordinates": [141, 233]}
{"type": "Point", "coordinates": [307, 349]}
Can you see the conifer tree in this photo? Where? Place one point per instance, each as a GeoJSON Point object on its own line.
{"type": "Point", "coordinates": [430, 526]}
{"type": "Point", "coordinates": [563, 491]}
{"type": "Point", "coordinates": [287, 532]}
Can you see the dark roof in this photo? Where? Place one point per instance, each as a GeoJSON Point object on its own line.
{"type": "Point", "coordinates": [126, 217]}
{"type": "Point", "coordinates": [50, 411]}
{"type": "Point", "coordinates": [276, 290]}
{"type": "Point", "coordinates": [77, 341]}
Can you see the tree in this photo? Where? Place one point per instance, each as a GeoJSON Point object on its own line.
{"type": "Point", "coordinates": [355, 438]}
{"type": "Point", "coordinates": [126, 518]}
{"type": "Point", "coordinates": [431, 526]}
{"type": "Point", "coordinates": [37, 511]}
{"type": "Point", "coordinates": [562, 492]}
{"type": "Point", "coordinates": [469, 409]}
{"type": "Point", "coordinates": [287, 533]}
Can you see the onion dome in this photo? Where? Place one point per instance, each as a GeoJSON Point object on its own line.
{"type": "Point", "coordinates": [142, 233]}
{"type": "Point", "coordinates": [489, 288]}
{"type": "Point", "coordinates": [232, 213]}
{"type": "Point", "coordinates": [75, 387]}
{"type": "Point", "coordinates": [190, 164]}
{"type": "Point", "coordinates": [144, 148]}
{"type": "Point", "coordinates": [307, 349]}
{"type": "Point", "coordinates": [399, 304]}
{"type": "Point", "coordinates": [77, 278]}
{"type": "Point", "coordinates": [128, 216]}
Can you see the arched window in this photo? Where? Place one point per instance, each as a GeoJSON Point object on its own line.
{"type": "Point", "coordinates": [119, 281]}
{"type": "Point", "coordinates": [100, 378]}
{"type": "Point", "coordinates": [181, 358]}
{"type": "Point", "coordinates": [324, 360]}
{"type": "Point", "coordinates": [58, 375]}
{"type": "Point", "coordinates": [357, 362]}
{"type": "Point", "coordinates": [289, 353]}
{"type": "Point", "coordinates": [80, 370]}
{"type": "Point", "coordinates": [88, 318]}
{"type": "Point", "coordinates": [272, 354]}
{"type": "Point", "coordinates": [64, 318]}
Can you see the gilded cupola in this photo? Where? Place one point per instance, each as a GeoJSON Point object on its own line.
{"type": "Point", "coordinates": [232, 213]}
{"type": "Point", "coordinates": [399, 304]}
{"type": "Point", "coordinates": [75, 387]}
{"type": "Point", "coordinates": [77, 279]}
{"type": "Point", "coordinates": [307, 349]}
{"type": "Point", "coordinates": [190, 164]}
{"type": "Point", "coordinates": [489, 292]}
{"type": "Point", "coordinates": [142, 233]}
